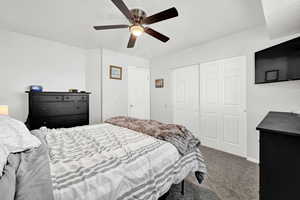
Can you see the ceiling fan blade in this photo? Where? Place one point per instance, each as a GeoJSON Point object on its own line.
{"type": "Point", "coordinates": [131, 42]}
{"type": "Point", "coordinates": [167, 14]}
{"type": "Point", "coordinates": [156, 34]}
{"type": "Point", "coordinates": [110, 27]}
{"type": "Point", "coordinates": [123, 8]}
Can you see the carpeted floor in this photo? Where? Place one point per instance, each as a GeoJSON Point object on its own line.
{"type": "Point", "coordinates": [229, 178]}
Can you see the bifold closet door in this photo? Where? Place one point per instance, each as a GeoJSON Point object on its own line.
{"type": "Point", "coordinates": [223, 105]}
{"type": "Point", "coordinates": [139, 93]}
{"type": "Point", "coordinates": [186, 97]}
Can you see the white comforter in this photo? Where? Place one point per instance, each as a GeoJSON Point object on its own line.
{"type": "Point", "coordinates": [107, 162]}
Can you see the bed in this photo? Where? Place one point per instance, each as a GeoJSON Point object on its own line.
{"type": "Point", "coordinates": [104, 161]}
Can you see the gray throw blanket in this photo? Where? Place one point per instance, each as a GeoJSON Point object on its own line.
{"type": "Point", "coordinates": [178, 135]}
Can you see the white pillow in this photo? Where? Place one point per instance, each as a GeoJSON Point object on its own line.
{"type": "Point", "coordinates": [15, 137]}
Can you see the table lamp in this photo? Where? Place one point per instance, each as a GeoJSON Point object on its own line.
{"type": "Point", "coordinates": [3, 110]}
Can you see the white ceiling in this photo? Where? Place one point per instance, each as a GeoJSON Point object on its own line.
{"type": "Point", "coordinates": [71, 21]}
{"type": "Point", "coordinates": [282, 17]}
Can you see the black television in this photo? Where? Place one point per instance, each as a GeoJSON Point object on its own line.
{"type": "Point", "coordinates": [278, 63]}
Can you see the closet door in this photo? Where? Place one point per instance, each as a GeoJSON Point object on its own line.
{"type": "Point", "coordinates": [210, 118]}
{"type": "Point", "coordinates": [139, 93]}
{"type": "Point", "coordinates": [233, 106]}
{"type": "Point", "coordinates": [223, 104]}
{"type": "Point", "coordinates": [186, 97]}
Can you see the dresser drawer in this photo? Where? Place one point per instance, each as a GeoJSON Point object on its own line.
{"type": "Point", "coordinates": [60, 121]}
{"type": "Point", "coordinates": [78, 98]}
{"type": "Point", "coordinates": [48, 109]}
{"type": "Point", "coordinates": [46, 98]}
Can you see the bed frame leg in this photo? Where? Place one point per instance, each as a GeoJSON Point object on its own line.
{"type": "Point", "coordinates": [182, 187]}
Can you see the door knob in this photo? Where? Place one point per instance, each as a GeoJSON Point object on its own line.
{"type": "Point", "coordinates": [131, 105]}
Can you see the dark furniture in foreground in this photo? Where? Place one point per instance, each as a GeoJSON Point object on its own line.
{"type": "Point", "coordinates": [279, 156]}
{"type": "Point", "coordinates": [57, 109]}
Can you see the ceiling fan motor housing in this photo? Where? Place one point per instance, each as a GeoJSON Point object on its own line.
{"type": "Point", "coordinates": [138, 15]}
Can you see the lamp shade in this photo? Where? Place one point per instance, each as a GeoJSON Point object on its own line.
{"type": "Point", "coordinates": [3, 110]}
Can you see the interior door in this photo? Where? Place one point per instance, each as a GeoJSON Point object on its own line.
{"type": "Point", "coordinates": [223, 105]}
{"type": "Point", "coordinates": [139, 93]}
{"type": "Point", "coordinates": [186, 97]}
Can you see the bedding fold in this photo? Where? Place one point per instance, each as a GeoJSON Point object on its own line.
{"type": "Point", "coordinates": [26, 175]}
{"type": "Point", "coordinates": [33, 174]}
{"type": "Point", "coordinates": [8, 180]}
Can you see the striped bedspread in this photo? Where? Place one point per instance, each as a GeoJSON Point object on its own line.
{"type": "Point", "coordinates": [113, 163]}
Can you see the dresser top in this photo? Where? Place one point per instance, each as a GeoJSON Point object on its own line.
{"type": "Point", "coordinates": [58, 93]}
{"type": "Point", "coordinates": [281, 123]}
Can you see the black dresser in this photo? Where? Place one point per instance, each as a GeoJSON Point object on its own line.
{"type": "Point", "coordinates": [57, 109]}
{"type": "Point", "coordinates": [280, 156]}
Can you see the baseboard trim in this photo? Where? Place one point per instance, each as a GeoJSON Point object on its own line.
{"type": "Point", "coordinates": [253, 160]}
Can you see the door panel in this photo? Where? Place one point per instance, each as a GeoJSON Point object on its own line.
{"type": "Point", "coordinates": [209, 130]}
{"type": "Point", "coordinates": [233, 103]}
{"type": "Point", "coordinates": [231, 129]}
{"type": "Point", "coordinates": [231, 90]}
{"type": "Point", "coordinates": [138, 93]}
{"type": "Point", "coordinates": [186, 97]}
{"type": "Point", "coordinates": [209, 104]}
{"type": "Point", "coordinates": [223, 100]}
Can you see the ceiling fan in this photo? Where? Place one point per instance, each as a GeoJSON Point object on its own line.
{"type": "Point", "coordinates": [138, 19]}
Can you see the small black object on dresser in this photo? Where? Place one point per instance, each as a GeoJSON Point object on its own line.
{"type": "Point", "coordinates": [280, 156]}
{"type": "Point", "coordinates": [57, 109]}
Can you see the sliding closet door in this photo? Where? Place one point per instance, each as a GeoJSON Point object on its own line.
{"type": "Point", "coordinates": [223, 104]}
{"type": "Point", "coordinates": [186, 97]}
{"type": "Point", "coordinates": [139, 93]}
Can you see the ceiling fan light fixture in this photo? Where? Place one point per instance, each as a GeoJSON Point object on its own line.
{"type": "Point", "coordinates": [137, 30]}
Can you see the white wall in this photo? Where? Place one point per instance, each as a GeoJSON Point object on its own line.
{"type": "Point", "coordinates": [114, 92]}
{"type": "Point", "coordinates": [26, 60]}
{"type": "Point", "coordinates": [260, 98]}
{"type": "Point", "coordinates": [93, 82]}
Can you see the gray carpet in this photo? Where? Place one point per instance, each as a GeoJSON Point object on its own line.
{"type": "Point", "coordinates": [192, 192]}
{"type": "Point", "coordinates": [229, 178]}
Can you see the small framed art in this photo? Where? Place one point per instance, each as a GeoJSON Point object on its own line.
{"type": "Point", "coordinates": [159, 83]}
{"type": "Point", "coordinates": [271, 75]}
{"type": "Point", "coordinates": [115, 72]}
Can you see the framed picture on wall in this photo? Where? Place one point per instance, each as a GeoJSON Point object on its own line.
{"type": "Point", "coordinates": [159, 83]}
{"type": "Point", "coordinates": [115, 72]}
{"type": "Point", "coordinates": [271, 75]}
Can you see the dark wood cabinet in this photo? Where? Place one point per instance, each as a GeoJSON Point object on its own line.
{"type": "Point", "coordinates": [279, 156]}
{"type": "Point", "coordinates": [57, 109]}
